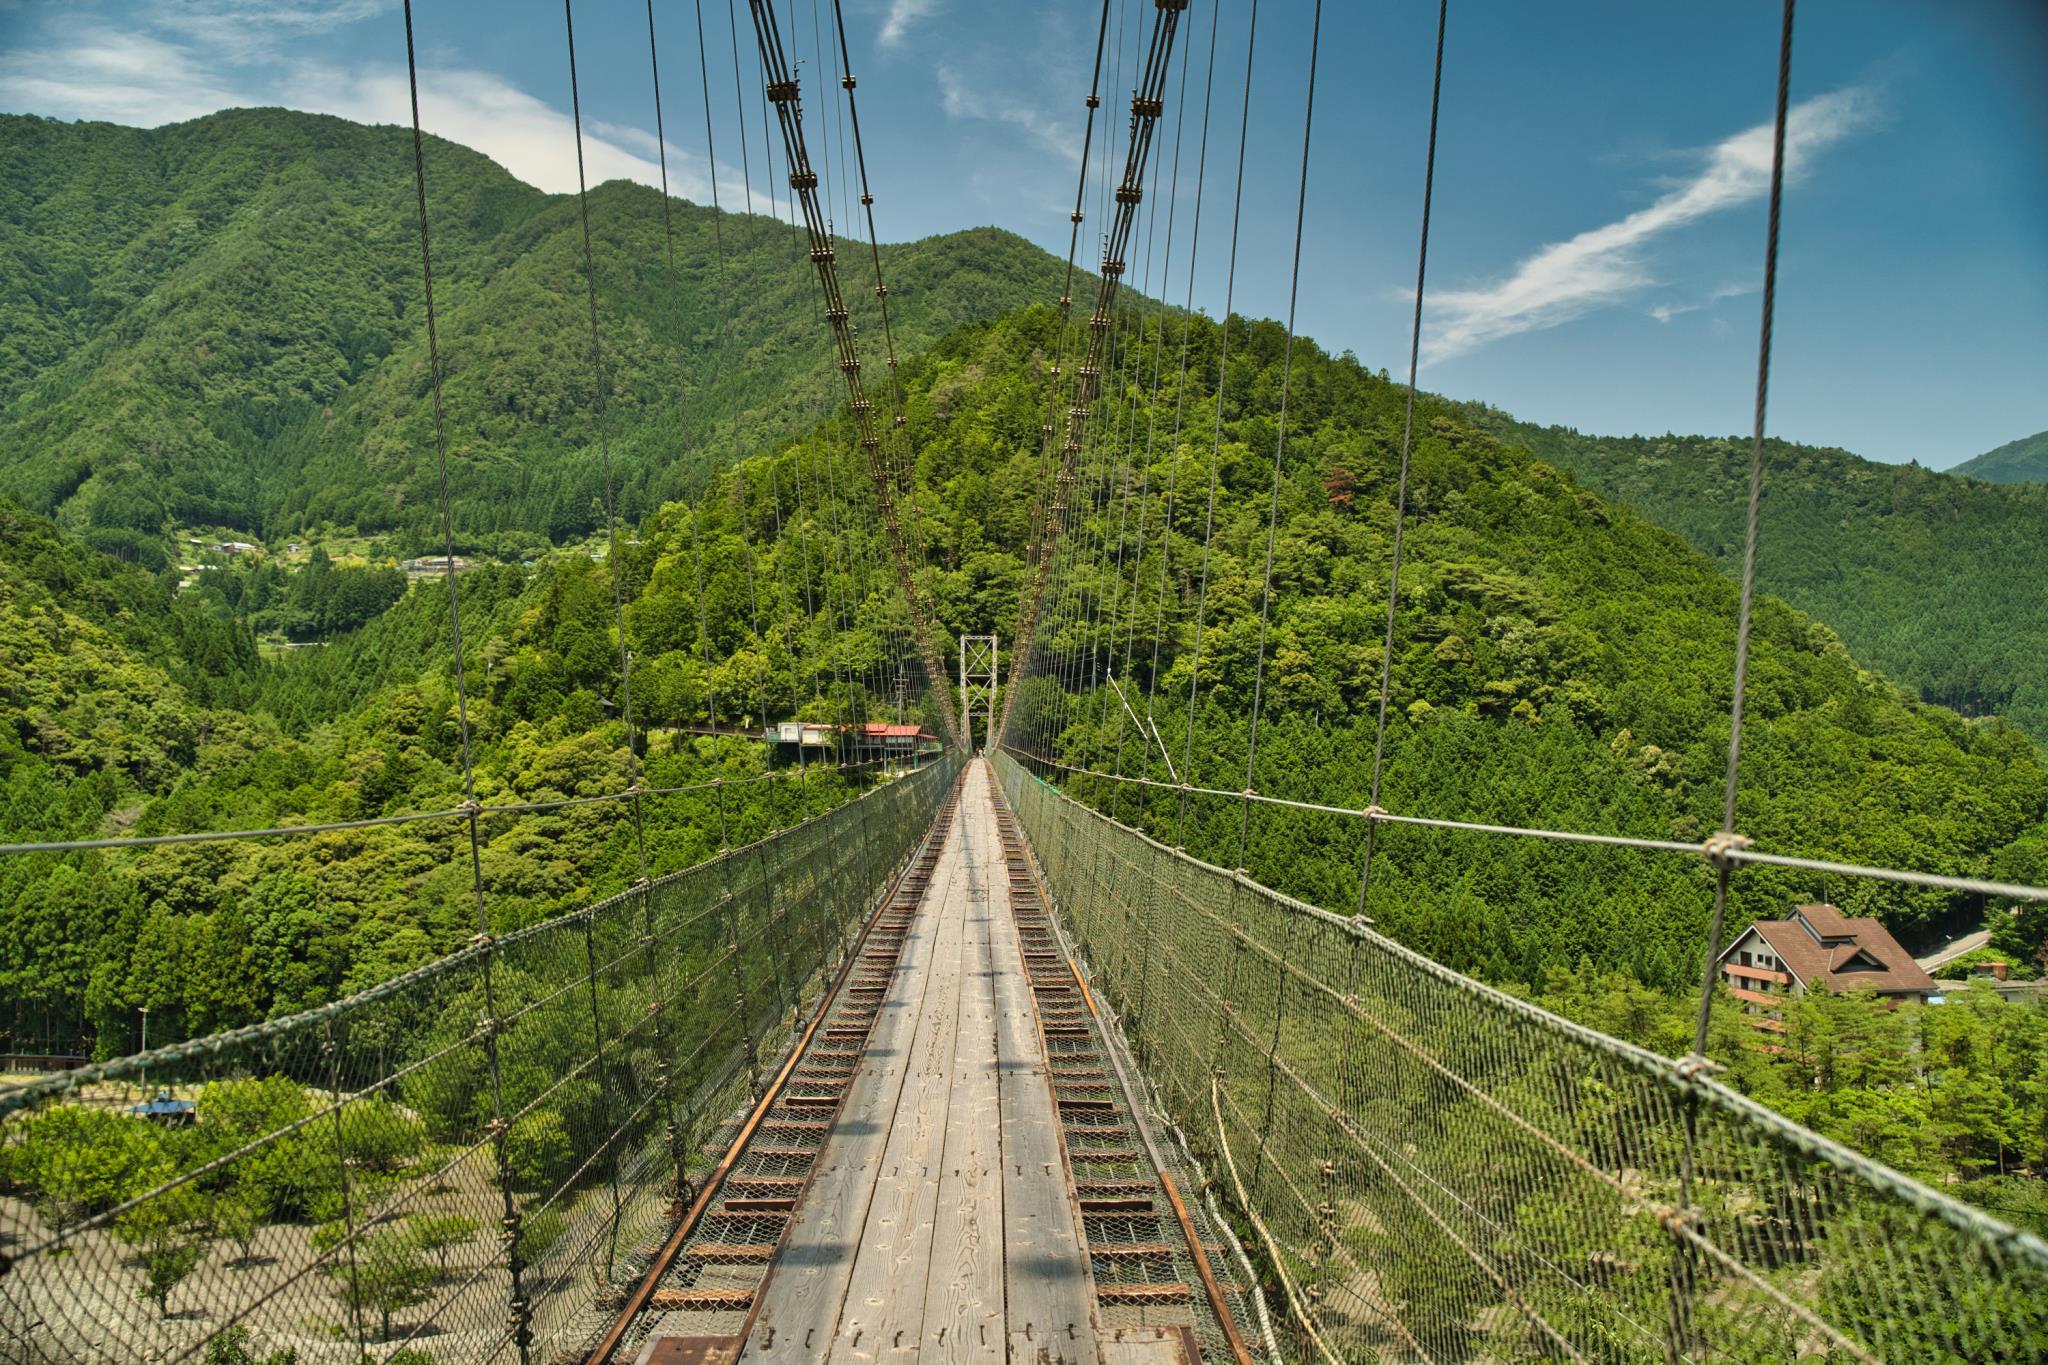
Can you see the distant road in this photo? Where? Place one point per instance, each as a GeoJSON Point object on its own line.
{"type": "Point", "coordinates": [1953, 949]}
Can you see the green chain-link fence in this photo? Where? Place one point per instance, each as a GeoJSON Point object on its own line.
{"type": "Point", "coordinates": [1445, 1173]}
{"type": "Point", "coordinates": [449, 1167]}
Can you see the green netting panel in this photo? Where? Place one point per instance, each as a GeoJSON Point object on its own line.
{"type": "Point", "coordinates": [1453, 1174]}
{"type": "Point", "coordinates": [452, 1163]}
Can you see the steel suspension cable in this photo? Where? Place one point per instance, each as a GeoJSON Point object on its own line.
{"type": "Point", "coordinates": [899, 420]}
{"type": "Point", "coordinates": [1180, 399]}
{"type": "Point", "coordinates": [614, 568]}
{"type": "Point", "coordinates": [1379, 743]}
{"type": "Point", "coordinates": [1152, 400]}
{"type": "Point", "coordinates": [1147, 107]}
{"type": "Point", "coordinates": [486, 976]}
{"type": "Point", "coordinates": [1040, 503]}
{"type": "Point", "coordinates": [1280, 444]}
{"type": "Point", "coordinates": [1216, 442]}
{"type": "Point", "coordinates": [786, 94]}
{"type": "Point", "coordinates": [1753, 512]}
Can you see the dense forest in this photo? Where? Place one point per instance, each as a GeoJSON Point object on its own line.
{"type": "Point", "coordinates": [219, 323]}
{"type": "Point", "coordinates": [1561, 657]}
{"type": "Point", "coordinates": [2021, 461]}
{"type": "Point", "coordinates": [1934, 578]}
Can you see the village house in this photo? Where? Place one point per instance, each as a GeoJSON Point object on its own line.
{"type": "Point", "coordinates": [1774, 958]}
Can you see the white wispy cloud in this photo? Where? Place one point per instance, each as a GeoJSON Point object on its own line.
{"type": "Point", "coordinates": [902, 14]}
{"type": "Point", "coordinates": [967, 99]}
{"type": "Point", "coordinates": [1664, 312]}
{"type": "Point", "coordinates": [149, 80]}
{"type": "Point", "coordinates": [1567, 280]}
{"type": "Point", "coordinates": [252, 30]}
{"type": "Point", "coordinates": [119, 77]}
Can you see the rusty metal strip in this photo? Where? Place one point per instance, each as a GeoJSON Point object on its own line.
{"type": "Point", "coordinates": [1211, 1287]}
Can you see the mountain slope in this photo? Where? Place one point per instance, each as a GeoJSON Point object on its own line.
{"type": "Point", "coordinates": [222, 326]}
{"type": "Point", "coordinates": [2021, 461]}
{"type": "Point", "coordinates": [1937, 580]}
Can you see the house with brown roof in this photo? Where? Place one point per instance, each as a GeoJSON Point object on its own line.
{"type": "Point", "coordinates": [1774, 958]}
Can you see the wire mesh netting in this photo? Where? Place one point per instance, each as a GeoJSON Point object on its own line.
{"type": "Point", "coordinates": [453, 1166]}
{"type": "Point", "coordinates": [1448, 1173]}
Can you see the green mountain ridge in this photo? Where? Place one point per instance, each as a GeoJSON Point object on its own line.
{"type": "Point", "coordinates": [222, 326]}
{"type": "Point", "coordinates": [2021, 461]}
{"type": "Point", "coordinates": [1937, 580]}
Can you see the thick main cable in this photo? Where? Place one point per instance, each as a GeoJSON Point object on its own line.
{"type": "Point", "coordinates": [786, 94]}
{"type": "Point", "coordinates": [1147, 106]}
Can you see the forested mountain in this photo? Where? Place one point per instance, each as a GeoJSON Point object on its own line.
{"type": "Point", "coordinates": [2021, 461]}
{"type": "Point", "coordinates": [1936, 579]}
{"type": "Point", "coordinates": [219, 323]}
{"type": "Point", "coordinates": [1560, 661]}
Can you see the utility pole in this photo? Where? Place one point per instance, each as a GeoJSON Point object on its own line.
{"type": "Point", "coordinates": [978, 685]}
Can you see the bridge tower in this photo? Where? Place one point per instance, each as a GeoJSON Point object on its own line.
{"type": "Point", "coordinates": [978, 686]}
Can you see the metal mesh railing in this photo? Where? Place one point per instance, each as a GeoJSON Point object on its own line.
{"type": "Point", "coordinates": [1443, 1172]}
{"type": "Point", "coordinates": [450, 1167]}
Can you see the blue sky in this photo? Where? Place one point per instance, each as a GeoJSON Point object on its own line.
{"type": "Point", "coordinates": [1599, 218]}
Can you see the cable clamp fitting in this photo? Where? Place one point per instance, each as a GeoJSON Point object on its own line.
{"type": "Point", "coordinates": [1373, 812]}
{"type": "Point", "coordinates": [1692, 1066]}
{"type": "Point", "coordinates": [471, 808]}
{"type": "Point", "coordinates": [1721, 849]}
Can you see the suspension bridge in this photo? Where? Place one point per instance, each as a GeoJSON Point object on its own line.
{"type": "Point", "coordinates": [967, 1064]}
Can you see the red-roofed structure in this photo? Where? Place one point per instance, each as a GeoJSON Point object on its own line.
{"type": "Point", "coordinates": [1778, 957]}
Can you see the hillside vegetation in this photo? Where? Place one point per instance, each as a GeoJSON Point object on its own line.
{"type": "Point", "coordinates": [2021, 461]}
{"type": "Point", "coordinates": [1937, 580]}
{"type": "Point", "coordinates": [220, 324]}
{"type": "Point", "coordinates": [1560, 661]}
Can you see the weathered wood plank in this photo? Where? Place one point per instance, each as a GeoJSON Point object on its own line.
{"type": "Point", "coordinates": [807, 1288]}
{"type": "Point", "coordinates": [1050, 1293]}
{"type": "Point", "coordinates": [963, 1306]}
{"type": "Point", "coordinates": [884, 1310]}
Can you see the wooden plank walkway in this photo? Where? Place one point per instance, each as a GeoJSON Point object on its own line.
{"type": "Point", "coordinates": [939, 1224]}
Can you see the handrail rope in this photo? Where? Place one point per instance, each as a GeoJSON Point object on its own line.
{"type": "Point", "coordinates": [16, 1097]}
{"type": "Point", "coordinates": [1677, 1074]}
{"type": "Point", "coordinates": [1714, 851]}
{"type": "Point", "coordinates": [481, 811]}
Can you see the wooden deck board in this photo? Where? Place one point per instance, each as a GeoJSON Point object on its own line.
{"type": "Point", "coordinates": [1049, 1294]}
{"type": "Point", "coordinates": [963, 1307]}
{"type": "Point", "coordinates": [807, 1287]}
{"type": "Point", "coordinates": [884, 1310]}
{"type": "Point", "coordinates": [939, 1223]}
